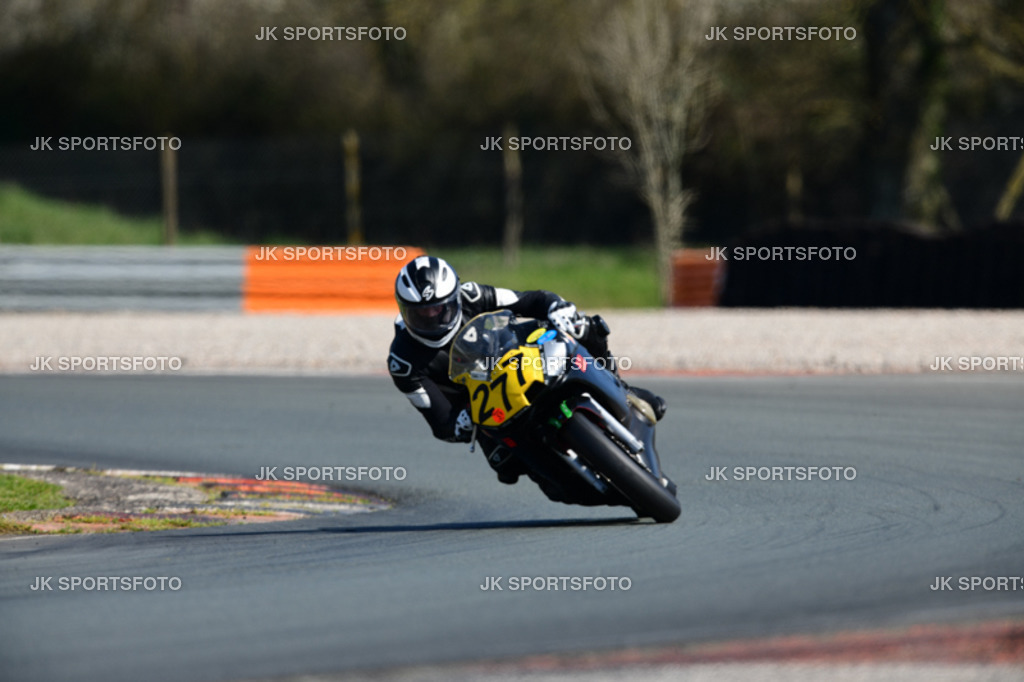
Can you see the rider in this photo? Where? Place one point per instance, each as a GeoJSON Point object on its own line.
{"type": "Point", "coordinates": [434, 306]}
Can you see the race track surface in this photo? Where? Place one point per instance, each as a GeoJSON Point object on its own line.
{"type": "Point", "coordinates": [938, 492]}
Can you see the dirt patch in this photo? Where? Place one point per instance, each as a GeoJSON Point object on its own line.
{"type": "Point", "coordinates": [119, 500]}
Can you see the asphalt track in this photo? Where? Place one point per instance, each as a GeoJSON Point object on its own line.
{"type": "Point", "coordinates": [938, 492]}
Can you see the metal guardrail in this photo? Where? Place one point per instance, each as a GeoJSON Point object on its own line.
{"type": "Point", "coordinates": [95, 278]}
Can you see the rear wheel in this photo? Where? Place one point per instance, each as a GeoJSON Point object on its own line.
{"type": "Point", "coordinates": [639, 486]}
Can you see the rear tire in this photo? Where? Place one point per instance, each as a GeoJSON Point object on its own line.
{"type": "Point", "coordinates": [646, 494]}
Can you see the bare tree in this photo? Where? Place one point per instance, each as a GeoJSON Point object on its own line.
{"type": "Point", "coordinates": [925, 197]}
{"type": "Point", "coordinates": [643, 72]}
{"type": "Point", "coordinates": [995, 31]}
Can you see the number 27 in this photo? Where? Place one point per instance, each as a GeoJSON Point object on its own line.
{"type": "Point", "coordinates": [501, 381]}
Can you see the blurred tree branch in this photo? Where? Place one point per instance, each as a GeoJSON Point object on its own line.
{"type": "Point", "coordinates": [996, 34]}
{"type": "Point", "coordinates": [643, 71]}
{"type": "Point", "coordinates": [925, 198]}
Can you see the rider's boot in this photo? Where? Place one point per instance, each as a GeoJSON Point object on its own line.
{"type": "Point", "coordinates": [505, 464]}
{"type": "Point", "coordinates": [656, 402]}
{"type": "Point", "coordinates": [597, 343]}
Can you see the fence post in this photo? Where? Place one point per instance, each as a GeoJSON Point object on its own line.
{"type": "Point", "coordinates": [169, 182]}
{"type": "Point", "coordinates": [513, 237]}
{"type": "Point", "coordinates": [353, 213]}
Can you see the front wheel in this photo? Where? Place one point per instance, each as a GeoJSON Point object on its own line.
{"type": "Point", "coordinates": [645, 493]}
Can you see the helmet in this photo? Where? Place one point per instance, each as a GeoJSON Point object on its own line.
{"type": "Point", "coordinates": [427, 291]}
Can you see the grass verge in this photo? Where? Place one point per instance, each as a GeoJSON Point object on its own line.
{"type": "Point", "coordinates": [592, 277]}
{"type": "Point", "coordinates": [13, 528]}
{"type": "Point", "coordinates": [25, 494]}
{"type": "Point", "coordinates": [115, 524]}
{"type": "Point", "coordinates": [27, 218]}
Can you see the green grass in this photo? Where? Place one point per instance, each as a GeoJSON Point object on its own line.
{"type": "Point", "coordinates": [233, 513]}
{"type": "Point", "coordinates": [591, 277]}
{"type": "Point", "coordinates": [26, 218]}
{"type": "Point", "coordinates": [25, 494]}
{"type": "Point", "coordinates": [162, 480]}
{"type": "Point", "coordinates": [137, 524]}
{"type": "Point", "coordinates": [14, 528]}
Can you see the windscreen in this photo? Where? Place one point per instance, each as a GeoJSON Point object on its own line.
{"type": "Point", "coordinates": [481, 343]}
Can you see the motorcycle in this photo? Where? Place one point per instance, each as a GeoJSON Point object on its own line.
{"type": "Point", "coordinates": [564, 415]}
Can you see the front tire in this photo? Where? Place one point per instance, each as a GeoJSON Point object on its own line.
{"type": "Point", "coordinates": [646, 494]}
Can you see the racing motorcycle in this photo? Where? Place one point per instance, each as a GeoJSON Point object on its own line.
{"type": "Point", "coordinates": [563, 414]}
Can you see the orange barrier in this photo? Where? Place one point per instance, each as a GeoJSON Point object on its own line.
{"type": "Point", "coordinates": [324, 279]}
{"type": "Point", "coordinates": [696, 281]}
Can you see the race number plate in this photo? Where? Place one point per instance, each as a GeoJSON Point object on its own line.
{"type": "Point", "coordinates": [500, 398]}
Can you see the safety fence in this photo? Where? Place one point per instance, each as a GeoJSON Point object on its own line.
{"type": "Point", "coordinates": [248, 279]}
{"type": "Point", "coordinates": [322, 279]}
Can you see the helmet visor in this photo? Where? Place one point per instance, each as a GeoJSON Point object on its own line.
{"type": "Point", "coordinates": [432, 320]}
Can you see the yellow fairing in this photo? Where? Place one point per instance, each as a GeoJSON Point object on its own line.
{"type": "Point", "coordinates": [493, 401]}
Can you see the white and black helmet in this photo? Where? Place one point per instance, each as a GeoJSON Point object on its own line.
{"type": "Point", "coordinates": [427, 291]}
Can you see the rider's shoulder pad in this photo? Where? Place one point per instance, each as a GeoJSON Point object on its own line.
{"type": "Point", "coordinates": [471, 291]}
